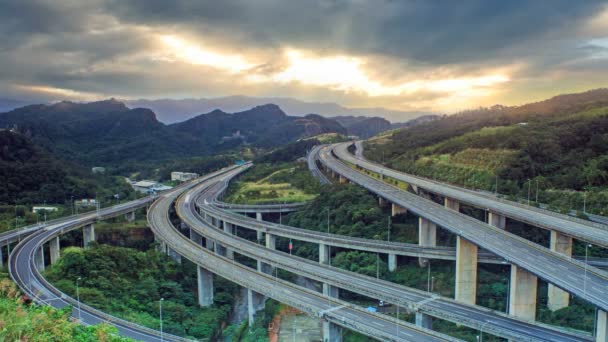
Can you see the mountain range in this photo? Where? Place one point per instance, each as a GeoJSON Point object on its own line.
{"type": "Point", "coordinates": [108, 132]}
{"type": "Point", "coordinates": [171, 110]}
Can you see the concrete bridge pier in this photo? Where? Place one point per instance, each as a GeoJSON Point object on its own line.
{"type": "Point", "coordinates": [522, 294]}
{"type": "Point", "coordinates": [427, 237]}
{"type": "Point", "coordinates": [196, 237]}
{"type": "Point", "coordinates": [1, 257]}
{"type": "Point", "coordinates": [324, 253]}
{"type": "Point", "coordinates": [601, 333]}
{"type": "Point", "coordinates": [331, 332]}
{"type": "Point", "coordinates": [259, 217]}
{"type": "Point", "coordinates": [39, 258]}
{"type": "Point", "coordinates": [424, 321]}
{"type": "Point", "coordinates": [342, 179]}
{"type": "Point", "coordinates": [130, 217]}
{"type": "Point", "coordinates": [451, 204]}
{"type": "Point", "coordinates": [397, 209]}
{"type": "Point", "coordinates": [174, 255]}
{"type": "Point", "coordinates": [466, 271]}
{"type": "Point", "coordinates": [228, 228]}
{"type": "Point", "coordinates": [210, 244]}
{"type": "Point", "coordinates": [205, 286]}
{"type": "Point", "coordinates": [497, 220]}
{"type": "Point", "coordinates": [88, 234]}
{"type": "Point", "coordinates": [55, 248]}
{"type": "Point", "coordinates": [255, 303]}
{"type": "Point", "coordinates": [381, 201]}
{"type": "Point", "coordinates": [392, 262]}
{"type": "Point", "coordinates": [559, 298]}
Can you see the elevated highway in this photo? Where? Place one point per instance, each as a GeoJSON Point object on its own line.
{"type": "Point", "coordinates": [414, 300]}
{"type": "Point", "coordinates": [592, 232]}
{"type": "Point", "coordinates": [312, 165]}
{"type": "Point", "coordinates": [330, 309]}
{"type": "Point", "coordinates": [557, 269]}
{"type": "Point", "coordinates": [25, 263]}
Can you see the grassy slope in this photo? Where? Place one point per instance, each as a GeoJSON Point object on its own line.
{"type": "Point", "coordinates": [287, 182]}
{"type": "Point", "coordinates": [563, 153]}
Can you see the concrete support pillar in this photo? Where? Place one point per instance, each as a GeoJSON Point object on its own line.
{"type": "Point", "coordinates": [271, 241]}
{"type": "Point", "coordinates": [424, 321]}
{"type": "Point", "coordinates": [558, 298]}
{"type": "Point", "coordinates": [331, 332]}
{"type": "Point", "coordinates": [228, 228]}
{"type": "Point", "coordinates": [88, 234]}
{"type": "Point", "coordinates": [392, 262]}
{"type": "Point", "coordinates": [497, 220]}
{"type": "Point", "coordinates": [323, 253]}
{"type": "Point", "coordinates": [55, 248]}
{"type": "Point", "coordinates": [397, 209]}
{"type": "Point", "coordinates": [522, 294]}
{"type": "Point", "coordinates": [205, 287]}
{"type": "Point", "coordinates": [39, 258]}
{"type": "Point", "coordinates": [130, 217]}
{"type": "Point", "coordinates": [196, 237]}
{"type": "Point", "coordinates": [342, 179]}
{"type": "Point", "coordinates": [255, 303]}
{"type": "Point", "coordinates": [466, 271]}
{"type": "Point", "coordinates": [174, 255]}
{"type": "Point", "coordinates": [258, 216]}
{"type": "Point", "coordinates": [331, 291]}
{"type": "Point", "coordinates": [427, 237]}
{"type": "Point", "coordinates": [601, 333]}
{"type": "Point", "coordinates": [381, 201]}
{"type": "Point", "coordinates": [451, 204]}
{"type": "Point", "coordinates": [1, 257]}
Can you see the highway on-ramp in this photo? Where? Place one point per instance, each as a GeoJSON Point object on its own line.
{"type": "Point", "coordinates": [564, 272]}
{"type": "Point", "coordinates": [333, 310]}
{"type": "Point", "coordinates": [476, 317]}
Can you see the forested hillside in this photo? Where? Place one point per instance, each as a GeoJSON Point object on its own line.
{"type": "Point", "coordinates": [108, 133]}
{"type": "Point", "coordinates": [560, 143]}
{"type": "Point", "coordinates": [28, 174]}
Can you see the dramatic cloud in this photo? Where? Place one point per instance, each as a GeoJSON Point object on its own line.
{"type": "Point", "coordinates": [408, 55]}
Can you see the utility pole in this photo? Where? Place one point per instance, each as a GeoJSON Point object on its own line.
{"type": "Point", "coordinates": [388, 229]}
{"type": "Point", "coordinates": [529, 191]}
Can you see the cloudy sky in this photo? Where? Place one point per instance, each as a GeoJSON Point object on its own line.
{"type": "Point", "coordinates": [407, 55]}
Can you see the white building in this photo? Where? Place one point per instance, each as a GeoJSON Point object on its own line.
{"type": "Point", "coordinates": [39, 209]}
{"type": "Point", "coordinates": [183, 176]}
{"type": "Point", "coordinates": [148, 187]}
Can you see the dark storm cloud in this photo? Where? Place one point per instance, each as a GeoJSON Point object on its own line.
{"type": "Point", "coordinates": [428, 31]}
{"type": "Point", "coordinates": [112, 47]}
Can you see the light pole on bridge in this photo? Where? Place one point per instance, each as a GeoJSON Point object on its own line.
{"type": "Point", "coordinates": [160, 314]}
{"type": "Point", "coordinates": [78, 298]}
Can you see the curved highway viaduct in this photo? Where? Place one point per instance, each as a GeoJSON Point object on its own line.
{"type": "Point", "coordinates": [528, 260]}
{"type": "Point", "coordinates": [331, 310]}
{"type": "Point", "coordinates": [218, 230]}
{"type": "Point", "coordinates": [27, 260]}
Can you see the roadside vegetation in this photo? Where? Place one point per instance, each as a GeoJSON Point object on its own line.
{"type": "Point", "coordinates": [129, 283]}
{"type": "Point", "coordinates": [562, 154]}
{"type": "Point", "coordinates": [20, 320]}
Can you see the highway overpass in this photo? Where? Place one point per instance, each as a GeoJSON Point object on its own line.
{"type": "Point", "coordinates": [215, 225]}
{"type": "Point", "coordinates": [528, 259]}
{"type": "Point", "coordinates": [331, 310]}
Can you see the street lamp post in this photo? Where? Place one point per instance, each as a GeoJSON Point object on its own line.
{"type": "Point", "coordinates": [160, 314]}
{"type": "Point", "coordinates": [428, 277]}
{"type": "Point", "coordinates": [78, 297]}
{"type": "Point", "coordinates": [480, 337]}
{"type": "Point", "coordinates": [388, 229]}
{"type": "Point", "coordinates": [587, 246]}
{"type": "Point", "coordinates": [529, 191]}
